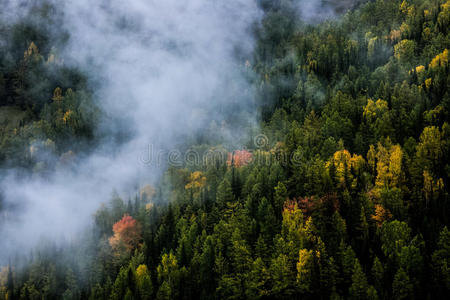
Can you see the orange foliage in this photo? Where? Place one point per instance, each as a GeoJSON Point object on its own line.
{"type": "Point", "coordinates": [381, 214]}
{"type": "Point", "coordinates": [127, 234]}
{"type": "Point", "coordinates": [394, 35]}
{"type": "Point", "coordinates": [239, 158]}
{"type": "Point", "coordinates": [67, 116]}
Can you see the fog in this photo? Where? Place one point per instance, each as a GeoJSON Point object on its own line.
{"type": "Point", "coordinates": [315, 12]}
{"type": "Point", "coordinates": [161, 70]}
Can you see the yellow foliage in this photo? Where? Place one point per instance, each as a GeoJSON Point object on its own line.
{"type": "Point", "coordinates": [292, 226]}
{"type": "Point", "coordinates": [440, 60]}
{"type": "Point", "coordinates": [196, 181]}
{"type": "Point", "coordinates": [341, 162]}
{"type": "Point", "coordinates": [446, 6]}
{"type": "Point", "coordinates": [168, 264]}
{"type": "Point", "coordinates": [404, 50]}
{"type": "Point", "coordinates": [369, 35]}
{"type": "Point", "coordinates": [433, 115]}
{"type": "Point", "coordinates": [431, 144]}
{"type": "Point", "coordinates": [382, 175]}
{"type": "Point", "coordinates": [404, 7]}
{"type": "Point", "coordinates": [141, 271]}
{"type": "Point", "coordinates": [428, 83]}
{"type": "Point", "coordinates": [404, 29]}
{"type": "Point", "coordinates": [305, 265]}
{"type": "Point", "coordinates": [420, 69]}
{"type": "Point", "coordinates": [344, 163]}
{"type": "Point", "coordinates": [31, 51]}
{"type": "Point", "coordinates": [444, 15]}
{"type": "Point", "coordinates": [373, 109]}
{"type": "Point", "coordinates": [381, 105]}
{"type": "Point", "coordinates": [357, 162]}
{"type": "Point", "coordinates": [57, 94]}
{"type": "Point", "coordinates": [382, 166]}
{"type": "Point", "coordinates": [395, 164]}
{"type": "Point", "coordinates": [369, 110]}
{"type": "Point", "coordinates": [389, 167]}
{"type": "Point", "coordinates": [426, 33]}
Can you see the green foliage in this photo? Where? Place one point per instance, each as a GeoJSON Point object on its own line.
{"type": "Point", "coordinates": [441, 261]}
{"type": "Point", "coordinates": [394, 236]}
{"type": "Point", "coordinates": [45, 106]}
{"type": "Point", "coordinates": [348, 199]}
{"type": "Point", "coordinates": [359, 287]}
{"type": "Point", "coordinates": [402, 288]}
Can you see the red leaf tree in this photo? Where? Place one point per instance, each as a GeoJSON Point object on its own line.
{"type": "Point", "coordinates": [127, 235]}
{"type": "Point", "coordinates": [239, 158]}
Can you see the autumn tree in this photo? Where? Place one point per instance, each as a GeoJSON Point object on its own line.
{"type": "Point", "coordinates": [239, 158]}
{"type": "Point", "coordinates": [170, 277]}
{"type": "Point", "coordinates": [144, 282]}
{"type": "Point", "coordinates": [127, 235]}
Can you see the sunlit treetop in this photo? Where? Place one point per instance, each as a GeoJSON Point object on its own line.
{"type": "Point", "coordinates": [196, 180]}
{"type": "Point", "coordinates": [441, 60]}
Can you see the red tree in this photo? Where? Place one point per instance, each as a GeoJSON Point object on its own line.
{"type": "Point", "coordinates": [239, 158]}
{"type": "Point", "coordinates": [127, 234]}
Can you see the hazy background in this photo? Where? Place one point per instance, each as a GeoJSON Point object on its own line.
{"type": "Point", "coordinates": [160, 71]}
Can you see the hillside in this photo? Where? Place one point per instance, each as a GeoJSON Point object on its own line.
{"type": "Point", "coordinates": [339, 189]}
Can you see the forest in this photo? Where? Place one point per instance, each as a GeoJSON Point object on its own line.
{"type": "Point", "coordinates": [339, 192]}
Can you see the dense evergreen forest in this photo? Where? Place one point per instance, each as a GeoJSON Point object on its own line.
{"type": "Point", "coordinates": [341, 193]}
